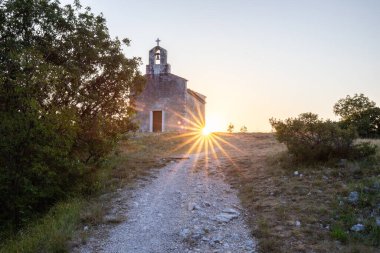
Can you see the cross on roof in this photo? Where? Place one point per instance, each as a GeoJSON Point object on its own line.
{"type": "Point", "coordinates": [158, 41]}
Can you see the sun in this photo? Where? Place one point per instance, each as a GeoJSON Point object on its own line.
{"type": "Point", "coordinates": [206, 131]}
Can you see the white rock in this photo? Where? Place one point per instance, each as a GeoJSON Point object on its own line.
{"type": "Point", "coordinates": [296, 173]}
{"type": "Point", "coordinates": [358, 227]}
{"type": "Point", "coordinates": [298, 223]}
{"type": "Point", "coordinates": [231, 211]}
{"type": "Point", "coordinates": [353, 197]}
{"type": "Point", "coordinates": [225, 217]}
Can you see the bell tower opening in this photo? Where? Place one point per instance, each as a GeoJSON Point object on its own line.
{"type": "Point", "coordinates": [157, 57]}
{"type": "Point", "coordinates": [158, 60]}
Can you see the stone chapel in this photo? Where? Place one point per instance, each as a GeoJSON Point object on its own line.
{"type": "Point", "coordinates": [166, 104]}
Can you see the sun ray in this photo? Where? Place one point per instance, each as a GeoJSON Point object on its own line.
{"type": "Point", "coordinates": [229, 144]}
{"type": "Point", "coordinates": [187, 142]}
{"type": "Point", "coordinates": [224, 152]}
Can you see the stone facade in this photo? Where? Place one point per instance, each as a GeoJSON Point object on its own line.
{"type": "Point", "coordinates": [166, 104]}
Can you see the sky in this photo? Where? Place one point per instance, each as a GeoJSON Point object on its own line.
{"type": "Point", "coordinates": [255, 60]}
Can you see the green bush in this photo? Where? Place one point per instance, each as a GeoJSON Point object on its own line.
{"type": "Point", "coordinates": [309, 138]}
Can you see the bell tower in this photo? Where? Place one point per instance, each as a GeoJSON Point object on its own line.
{"type": "Point", "coordinates": [158, 58]}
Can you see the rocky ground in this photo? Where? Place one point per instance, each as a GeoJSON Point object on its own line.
{"type": "Point", "coordinates": [187, 207]}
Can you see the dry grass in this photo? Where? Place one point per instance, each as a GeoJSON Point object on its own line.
{"type": "Point", "coordinates": [276, 198]}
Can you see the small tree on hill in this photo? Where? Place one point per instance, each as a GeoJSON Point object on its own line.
{"type": "Point", "coordinates": [243, 129]}
{"type": "Point", "coordinates": [230, 128]}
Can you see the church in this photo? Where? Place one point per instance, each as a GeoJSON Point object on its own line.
{"type": "Point", "coordinates": [166, 104]}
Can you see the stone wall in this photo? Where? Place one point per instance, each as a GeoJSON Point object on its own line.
{"type": "Point", "coordinates": [195, 110]}
{"type": "Point", "coordinates": [167, 93]}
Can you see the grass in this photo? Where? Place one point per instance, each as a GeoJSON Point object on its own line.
{"type": "Point", "coordinates": [50, 233]}
{"type": "Point", "coordinates": [134, 158]}
{"type": "Point", "coordinates": [276, 197]}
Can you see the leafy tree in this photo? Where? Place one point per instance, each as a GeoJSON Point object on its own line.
{"type": "Point", "coordinates": [359, 112]}
{"type": "Point", "coordinates": [349, 106]}
{"type": "Point", "coordinates": [309, 138]}
{"type": "Point", "coordinates": [243, 129]}
{"type": "Point", "coordinates": [66, 94]}
{"type": "Point", "coordinates": [230, 128]}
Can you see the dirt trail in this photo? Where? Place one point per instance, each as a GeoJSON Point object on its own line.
{"type": "Point", "coordinates": [187, 208]}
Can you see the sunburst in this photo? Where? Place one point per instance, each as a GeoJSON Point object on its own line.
{"type": "Point", "coordinates": [200, 140]}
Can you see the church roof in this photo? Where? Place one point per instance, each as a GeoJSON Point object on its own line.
{"type": "Point", "coordinates": [199, 96]}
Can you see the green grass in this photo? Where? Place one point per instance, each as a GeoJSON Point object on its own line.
{"type": "Point", "coordinates": [50, 233]}
{"type": "Point", "coordinates": [339, 234]}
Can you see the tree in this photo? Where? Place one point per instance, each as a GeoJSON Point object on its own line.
{"type": "Point", "coordinates": [359, 112]}
{"type": "Point", "coordinates": [243, 129]}
{"type": "Point", "coordinates": [66, 94]}
{"type": "Point", "coordinates": [349, 106]}
{"type": "Point", "coordinates": [230, 128]}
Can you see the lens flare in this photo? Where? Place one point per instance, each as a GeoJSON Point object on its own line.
{"type": "Point", "coordinates": [203, 140]}
{"type": "Point", "coordinates": [206, 131]}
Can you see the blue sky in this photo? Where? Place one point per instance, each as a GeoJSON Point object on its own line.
{"type": "Point", "coordinates": [258, 59]}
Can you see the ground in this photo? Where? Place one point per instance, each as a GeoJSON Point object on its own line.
{"type": "Point", "coordinates": [186, 206]}
{"type": "Point", "coordinates": [181, 207]}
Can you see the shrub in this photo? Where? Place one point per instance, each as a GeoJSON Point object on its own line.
{"type": "Point", "coordinates": [309, 138]}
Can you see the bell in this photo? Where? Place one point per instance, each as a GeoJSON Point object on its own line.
{"type": "Point", "coordinates": [157, 56]}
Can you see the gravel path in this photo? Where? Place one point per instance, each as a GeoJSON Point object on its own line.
{"type": "Point", "coordinates": [186, 208]}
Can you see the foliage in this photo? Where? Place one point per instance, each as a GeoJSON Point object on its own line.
{"type": "Point", "coordinates": [230, 128]}
{"type": "Point", "coordinates": [348, 106]}
{"type": "Point", "coordinates": [66, 94]}
{"type": "Point", "coordinates": [359, 112]}
{"type": "Point", "coordinates": [243, 129]}
{"type": "Point", "coordinates": [309, 138]}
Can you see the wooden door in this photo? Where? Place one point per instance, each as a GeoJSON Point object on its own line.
{"type": "Point", "coordinates": [157, 121]}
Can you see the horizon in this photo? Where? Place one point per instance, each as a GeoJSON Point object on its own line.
{"type": "Point", "coordinates": [267, 59]}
